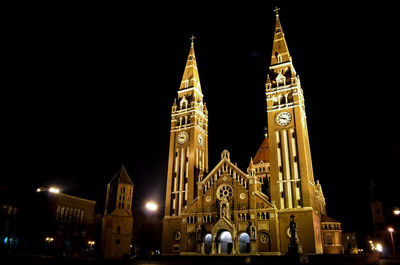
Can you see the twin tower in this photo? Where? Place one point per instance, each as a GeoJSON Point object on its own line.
{"type": "Point", "coordinates": [229, 211]}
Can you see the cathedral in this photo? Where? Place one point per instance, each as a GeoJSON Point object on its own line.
{"type": "Point", "coordinates": [230, 211]}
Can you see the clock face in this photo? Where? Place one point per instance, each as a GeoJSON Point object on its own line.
{"type": "Point", "coordinates": [283, 118]}
{"type": "Point", "coordinates": [200, 139]}
{"type": "Point", "coordinates": [182, 137]}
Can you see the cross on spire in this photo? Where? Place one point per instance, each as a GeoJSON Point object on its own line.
{"type": "Point", "coordinates": [192, 38]}
{"type": "Point", "coordinates": [276, 11]}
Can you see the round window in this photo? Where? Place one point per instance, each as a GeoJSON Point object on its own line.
{"type": "Point", "coordinates": [224, 192]}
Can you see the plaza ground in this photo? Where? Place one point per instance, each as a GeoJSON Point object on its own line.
{"type": "Point", "coordinates": [6, 259]}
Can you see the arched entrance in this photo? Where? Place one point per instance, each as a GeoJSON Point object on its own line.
{"type": "Point", "coordinates": [224, 242]}
{"type": "Point", "coordinates": [264, 244]}
{"type": "Point", "coordinates": [244, 243]}
{"type": "Point", "coordinates": [207, 243]}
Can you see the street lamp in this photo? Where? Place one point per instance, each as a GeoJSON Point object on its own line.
{"type": "Point", "coordinates": [54, 190]}
{"type": "Point", "coordinates": [379, 247]}
{"type": "Point", "coordinates": [151, 206]}
{"type": "Point", "coordinates": [396, 212]}
{"type": "Point", "coordinates": [391, 230]}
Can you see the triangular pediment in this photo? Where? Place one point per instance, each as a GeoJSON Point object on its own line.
{"type": "Point", "coordinates": [225, 170]}
{"type": "Point", "coordinates": [225, 165]}
{"type": "Point", "coordinates": [223, 224]}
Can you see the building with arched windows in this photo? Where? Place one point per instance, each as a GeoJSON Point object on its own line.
{"type": "Point", "coordinates": [227, 210]}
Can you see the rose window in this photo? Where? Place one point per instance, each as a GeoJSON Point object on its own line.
{"type": "Point", "coordinates": [224, 192]}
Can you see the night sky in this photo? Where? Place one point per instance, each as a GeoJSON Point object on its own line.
{"type": "Point", "coordinates": [86, 88]}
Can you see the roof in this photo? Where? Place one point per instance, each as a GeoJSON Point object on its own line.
{"type": "Point", "coordinates": [123, 176]}
{"type": "Point", "coordinates": [262, 153]}
{"type": "Point", "coordinates": [327, 219]}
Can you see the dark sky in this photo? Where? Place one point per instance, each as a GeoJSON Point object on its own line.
{"type": "Point", "coordinates": [89, 87]}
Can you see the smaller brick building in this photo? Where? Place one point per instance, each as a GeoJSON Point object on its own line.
{"type": "Point", "coordinates": [331, 235]}
{"type": "Point", "coordinates": [117, 225]}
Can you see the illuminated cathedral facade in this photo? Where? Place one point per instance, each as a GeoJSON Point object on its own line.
{"type": "Point", "coordinates": [230, 211]}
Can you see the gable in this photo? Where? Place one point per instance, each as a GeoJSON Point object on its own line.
{"type": "Point", "coordinates": [227, 167]}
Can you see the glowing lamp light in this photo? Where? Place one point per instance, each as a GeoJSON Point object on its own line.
{"type": "Point", "coordinates": [396, 212]}
{"type": "Point", "coordinates": [151, 206]}
{"type": "Point", "coordinates": [379, 247]}
{"type": "Point", "coordinates": [390, 229]}
{"type": "Point", "coordinates": [54, 190]}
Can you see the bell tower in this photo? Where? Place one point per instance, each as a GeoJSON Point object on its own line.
{"type": "Point", "coordinates": [188, 148]}
{"type": "Point", "coordinates": [117, 223]}
{"type": "Point", "coordinates": [292, 186]}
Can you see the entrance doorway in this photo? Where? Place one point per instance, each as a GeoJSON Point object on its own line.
{"type": "Point", "coordinates": [207, 243]}
{"type": "Point", "coordinates": [244, 243]}
{"type": "Point", "coordinates": [224, 243]}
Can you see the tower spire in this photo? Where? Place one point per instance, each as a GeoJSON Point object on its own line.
{"type": "Point", "coordinates": [191, 74]}
{"type": "Point", "coordinates": [280, 51]}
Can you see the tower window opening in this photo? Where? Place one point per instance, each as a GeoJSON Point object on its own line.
{"type": "Point", "coordinates": [278, 57]}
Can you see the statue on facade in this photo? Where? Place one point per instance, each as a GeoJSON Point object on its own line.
{"type": "Point", "coordinates": [293, 243]}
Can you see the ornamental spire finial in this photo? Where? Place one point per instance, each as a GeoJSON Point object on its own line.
{"type": "Point", "coordinates": [276, 11]}
{"type": "Point", "coordinates": [192, 39]}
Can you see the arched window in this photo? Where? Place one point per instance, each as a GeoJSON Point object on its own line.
{"type": "Point", "coordinates": [184, 102]}
{"type": "Point", "coordinates": [290, 98]}
{"type": "Point", "coordinates": [58, 214]}
{"type": "Point", "coordinates": [278, 57]}
{"type": "Point", "coordinates": [82, 215]}
{"type": "Point", "coordinates": [62, 214]}
{"type": "Point", "coordinates": [283, 100]}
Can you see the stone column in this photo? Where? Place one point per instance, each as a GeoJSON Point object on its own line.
{"type": "Point", "coordinates": [234, 252]}
{"type": "Point", "coordinates": [213, 246]}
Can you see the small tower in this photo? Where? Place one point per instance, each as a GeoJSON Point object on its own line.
{"type": "Point", "coordinates": [117, 222]}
